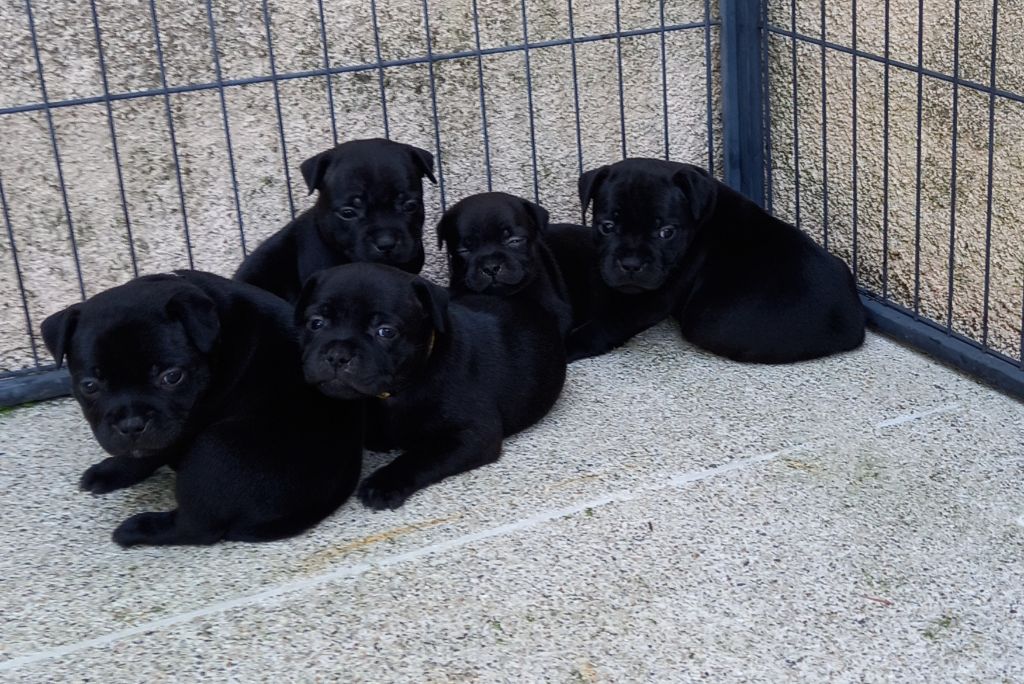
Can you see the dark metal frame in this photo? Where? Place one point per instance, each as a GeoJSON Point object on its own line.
{"type": "Point", "coordinates": [746, 146]}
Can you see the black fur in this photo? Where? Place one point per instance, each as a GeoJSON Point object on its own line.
{"type": "Point", "coordinates": [370, 208]}
{"type": "Point", "coordinates": [669, 239]}
{"type": "Point", "coordinates": [446, 381]}
{"type": "Point", "coordinates": [202, 374]}
{"type": "Point", "coordinates": [496, 246]}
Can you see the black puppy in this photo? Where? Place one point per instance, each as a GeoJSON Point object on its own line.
{"type": "Point", "coordinates": [202, 374]}
{"type": "Point", "coordinates": [370, 208]}
{"type": "Point", "coordinates": [446, 382]}
{"type": "Point", "coordinates": [496, 246]}
{"type": "Point", "coordinates": [669, 239]}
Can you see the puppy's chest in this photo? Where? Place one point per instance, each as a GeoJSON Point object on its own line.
{"type": "Point", "coordinates": [399, 420]}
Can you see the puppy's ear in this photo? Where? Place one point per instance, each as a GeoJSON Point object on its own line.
{"type": "Point", "coordinates": [305, 297]}
{"type": "Point", "coordinates": [198, 315]}
{"type": "Point", "coordinates": [446, 229]}
{"type": "Point", "coordinates": [57, 331]}
{"type": "Point", "coordinates": [424, 162]}
{"type": "Point", "coordinates": [314, 168]}
{"type": "Point", "coordinates": [539, 215]}
{"type": "Point", "coordinates": [699, 188]}
{"type": "Point", "coordinates": [589, 182]}
{"type": "Point", "coordinates": [434, 301]}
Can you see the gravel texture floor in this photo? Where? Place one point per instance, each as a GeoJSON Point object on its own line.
{"type": "Point", "coordinates": [676, 517]}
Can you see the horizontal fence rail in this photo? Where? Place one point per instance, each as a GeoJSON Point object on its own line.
{"type": "Point", "coordinates": [413, 64]}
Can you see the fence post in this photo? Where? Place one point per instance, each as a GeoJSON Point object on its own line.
{"type": "Point", "coordinates": [742, 106]}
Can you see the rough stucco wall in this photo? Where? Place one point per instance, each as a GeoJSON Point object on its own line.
{"type": "Point", "coordinates": [1006, 265]}
{"type": "Point", "coordinates": [40, 226]}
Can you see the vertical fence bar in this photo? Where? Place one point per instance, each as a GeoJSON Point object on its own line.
{"type": "Point", "coordinates": [53, 142]}
{"type": "Point", "coordinates": [741, 92]}
{"type": "Point", "coordinates": [227, 126]}
{"type": "Point", "coordinates": [327, 67]}
{"type": "Point", "coordinates": [708, 72]}
{"type": "Point", "coordinates": [1020, 353]}
{"type": "Point", "coordinates": [853, 183]}
{"type": "Point", "coordinates": [576, 101]}
{"type": "Point", "coordinates": [991, 165]}
{"type": "Point", "coordinates": [664, 75]}
{"type": "Point", "coordinates": [529, 101]}
{"type": "Point", "coordinates": [796, 119]}
{"type": "Point", "coordinates": [885, 159]}
{"type": "Point", "coordinates": [622, 85]}
{"type": "Point", "coordinates": [917, 192]}
{"type": "Point", "coordinates": [170, 130]}
{"type": "Point", "coordinates": [953, 169]}
{"type": "Point", "coordinates": [483, 96]}
{"type": "Point", "coordinates": [113, 136]}
{"type": "Point", "coordinates": [277, 107]}
{"type": "Point", "coordinates": [17, 274]}
{"type": "Point", "coordinates": [380, 69]}
{"type": "Point", "coordinates": [433, 100]}
{"type": "Point", "coordinates": [766, 76]}
{"type": "Point", "coordinates": [824, 136]}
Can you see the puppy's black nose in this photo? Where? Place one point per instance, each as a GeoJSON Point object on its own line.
{"type": "Point", "coordinates": [385, 243]}
{"type": "Point", "coordinates": [631, 264]}
{"type": "Point", "coordinates": [338, 356]}
{"type": "Point", "coordinates": [132, 426]}
{"type": "Point", "coordinates": [492, 269]}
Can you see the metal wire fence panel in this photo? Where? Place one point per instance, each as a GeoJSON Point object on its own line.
{"type": "Point", "coordinates": [149, 135]}
{"type": "Point", "coordinates": [893, 138]}
{"type": "Point", "coordinates": [159, 134]}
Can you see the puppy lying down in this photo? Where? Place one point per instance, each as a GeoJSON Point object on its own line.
{"type": "Point", "coordinates": [670, 240]}
{"type": "Point", "coordinates": [445, 381]}
{"type": "Point", "coordinates": [202, 374]}
{"type": "Point", "coordinates": [496, 246]}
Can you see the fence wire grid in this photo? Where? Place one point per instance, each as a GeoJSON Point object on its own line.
{"type": "Point", "coordinates": [162, 134]}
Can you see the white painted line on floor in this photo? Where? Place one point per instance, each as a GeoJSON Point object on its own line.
{"type": "Point", "coordinates": [899, 420]}
{"type": "Point", "coordinates": [268, 595]}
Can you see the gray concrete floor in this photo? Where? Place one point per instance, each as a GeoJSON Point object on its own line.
{"type": "Point", "coordinates": [676, 517]}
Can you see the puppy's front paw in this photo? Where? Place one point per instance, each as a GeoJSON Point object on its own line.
{"type": "Point", "coordinates": [144, 528]}
{"type": "Point", "coordinates": [116, 472]}
{"type": "Point", "coordinates": [385, 490]}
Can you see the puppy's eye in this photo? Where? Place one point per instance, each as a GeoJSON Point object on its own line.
{"type": "Point", "coordinates": [410, 206]}
{"type": "Point", "coordinates": [667, 232]}
{"type": "Point", "coordinates": [315, 322]}
{"type": "Point", "coordinates": [515, 241]}
{"type": "Point", "coordinates": [346, 213]}
{"type": "Point", "coordinates": [463, 251]}
{"type": "Point", "coordinates": [386, 332]}
{"type": "Point", "coordinates": [89, 386]}
{"type": "Point", "coordinates": [172, 377]}
{"type": "Point", "coordinates": [606, 227]}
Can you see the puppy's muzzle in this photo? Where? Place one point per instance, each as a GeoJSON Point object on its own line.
{"type": "Point", "coordinates": [385, 243]}
{"type": "Point", "coordinates": [338, 355]}
{"type": "Point", "coordinates": [133, 426]}
{"type": "Point", "coordinates": [631, 265]}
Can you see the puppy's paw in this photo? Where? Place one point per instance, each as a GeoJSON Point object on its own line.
{"type": "Point", "coordinates": [145, 528]}
{"type": "Point", "coordinates": [385, 490]}
{"type": "Point", "coordinates": [116, 472]}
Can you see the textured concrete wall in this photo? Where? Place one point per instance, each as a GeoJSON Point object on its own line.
{"type": "Point", "coordinates": [99, 222]}
{"type": "Point", "coordinates": [893, 259]}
